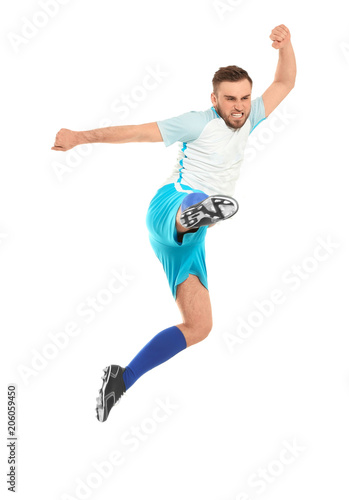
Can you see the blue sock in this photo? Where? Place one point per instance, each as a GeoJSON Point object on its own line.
{"type": "Point", "coordinates": [158, 350]}
{"type": "Point", "coordinates": [192, 199]}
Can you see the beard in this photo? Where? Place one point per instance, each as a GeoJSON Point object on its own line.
{"type": "Point", "coordinates": [228, 123]}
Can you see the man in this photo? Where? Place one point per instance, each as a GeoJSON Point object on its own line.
{"type": "Point", "coordinates": [197, 195]}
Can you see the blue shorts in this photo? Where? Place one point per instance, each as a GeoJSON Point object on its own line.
{"type": "Point", "coordinates": [178, 259]}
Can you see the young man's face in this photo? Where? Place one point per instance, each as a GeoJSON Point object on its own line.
{"type": "Point", "coordinates": [232, 102]}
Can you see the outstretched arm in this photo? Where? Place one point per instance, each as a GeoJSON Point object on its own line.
{"type": "Point", "coordinates": [67, 139]}
{"type": "Point", "coordinates": [286, 70]}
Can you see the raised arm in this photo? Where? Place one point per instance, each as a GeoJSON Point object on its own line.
{"type": "Point", "coordinates": [67, 139]}
{"type": "Point", "coordinates": [286, 70]}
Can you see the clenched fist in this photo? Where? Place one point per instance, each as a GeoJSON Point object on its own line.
{"type": "Point", "coordinates": [65, 139]}
{"type": "Point", "coordinates": [280, 36]}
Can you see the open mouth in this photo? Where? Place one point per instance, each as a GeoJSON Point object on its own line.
{"type": "Point", "coordinates": [237, 115]}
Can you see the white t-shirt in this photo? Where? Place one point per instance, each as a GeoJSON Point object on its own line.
{"type": "Point", "coordinates": [210, 152]}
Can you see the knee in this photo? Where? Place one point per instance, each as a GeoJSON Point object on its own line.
{"type": "Point", "coordinates": [201, 331]}
{"type": "Point", "coordinates": [206, 328]}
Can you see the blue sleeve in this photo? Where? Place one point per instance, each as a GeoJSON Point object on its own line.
{"type": "Point", "coordinates": [257, 114]}
{"type": "Point", "coordinates": [184, 128]}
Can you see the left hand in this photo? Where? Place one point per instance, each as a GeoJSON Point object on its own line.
{"type": "Point", "coordinates": [280, 36]}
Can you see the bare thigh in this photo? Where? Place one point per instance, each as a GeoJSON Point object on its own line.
{"type": "Point", "coordinates": [193, 301]}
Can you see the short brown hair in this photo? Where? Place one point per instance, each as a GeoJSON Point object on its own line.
{"type": "Point", "coordinates": [229, 74]}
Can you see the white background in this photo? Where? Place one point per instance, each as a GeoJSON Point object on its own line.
{"type": "Point", "coordinates": [234, 404]}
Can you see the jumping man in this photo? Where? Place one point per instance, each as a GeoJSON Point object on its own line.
{"type": "Point", "coordinates": [196, 196]}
